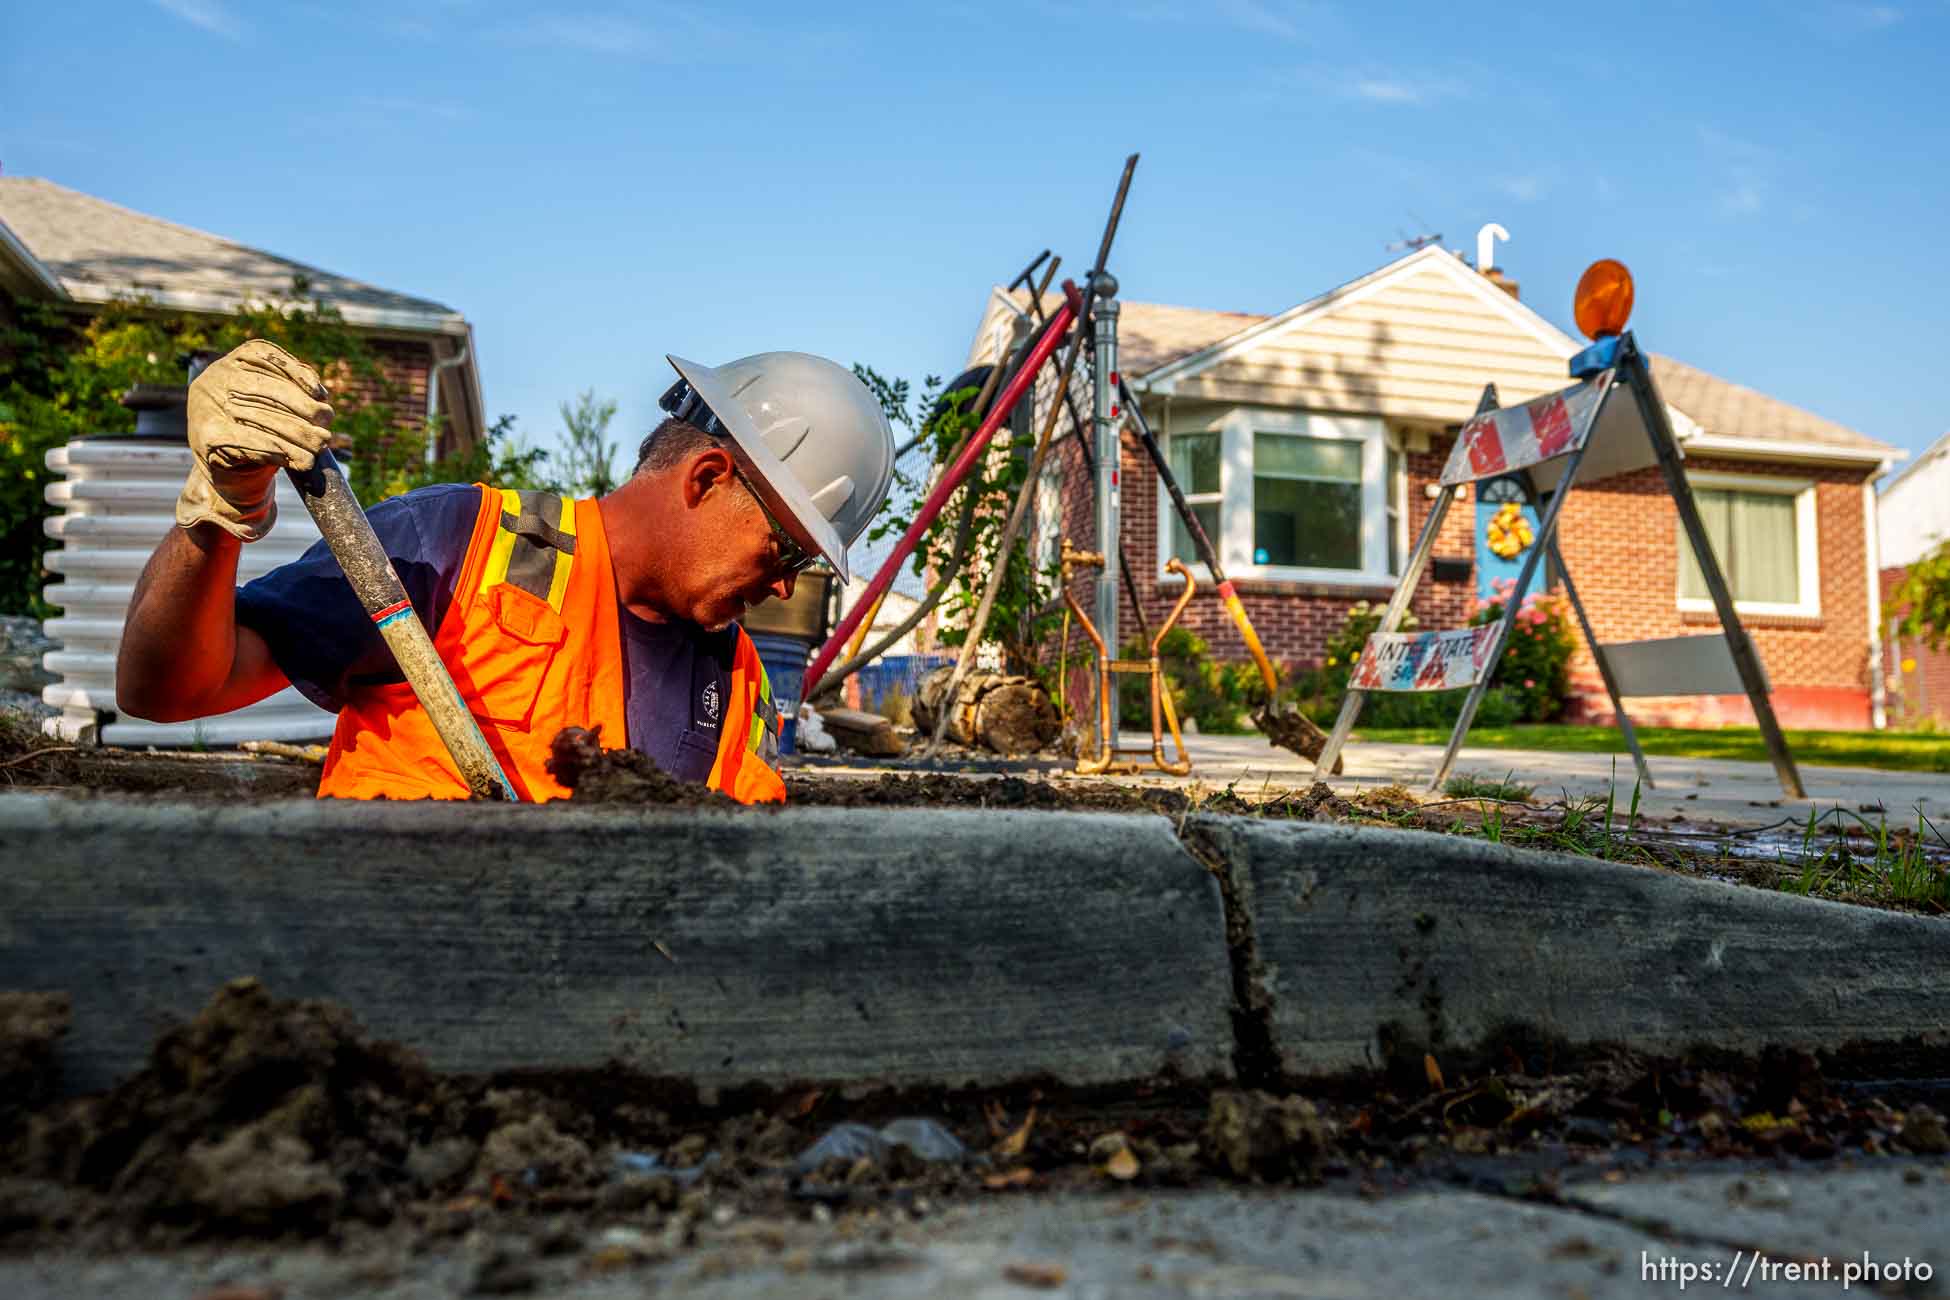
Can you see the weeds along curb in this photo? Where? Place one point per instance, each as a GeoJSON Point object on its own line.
{"type": "Point", "coordinates": [1375, 946]}
{"type": "Point", "coordinates": [951, 948]}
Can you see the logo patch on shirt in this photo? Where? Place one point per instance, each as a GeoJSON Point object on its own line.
{"type": "Point", "coordinates": [710, 701]}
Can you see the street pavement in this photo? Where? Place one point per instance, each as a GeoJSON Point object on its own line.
{"type": "Point", "coordinates": [1877, 1227]}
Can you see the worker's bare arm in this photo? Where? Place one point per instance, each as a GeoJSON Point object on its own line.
{"type": "Point", "coordinates": [183, 654]}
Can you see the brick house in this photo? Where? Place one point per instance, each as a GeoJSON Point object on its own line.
{"type": "Point", "coordinates": [1310, 443]}
{"type": "Point", "coordinates": [77, 251]}
{"type": "Point", "coordinates": [1914, 513]}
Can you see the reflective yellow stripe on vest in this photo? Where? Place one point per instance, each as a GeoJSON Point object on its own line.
{"type": "Point", "coordinates": [764, 738]}
{"type": "Point", "coordinates": [535, 546]}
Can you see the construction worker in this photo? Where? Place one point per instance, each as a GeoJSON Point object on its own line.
{"type": "Point", "coordinates": [619, 612]}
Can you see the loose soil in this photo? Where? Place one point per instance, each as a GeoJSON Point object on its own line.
{"type": "Point", "coordinates": [31, 761]}
{"type": "Point", "coordinates": [269, 1118]}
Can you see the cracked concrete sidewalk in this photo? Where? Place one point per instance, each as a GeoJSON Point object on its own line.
{"type": "Point", "coordinates": [1643, 1235]}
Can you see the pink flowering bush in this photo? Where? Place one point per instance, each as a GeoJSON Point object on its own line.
{"type": "Point", "coordinates": [1536, 663]}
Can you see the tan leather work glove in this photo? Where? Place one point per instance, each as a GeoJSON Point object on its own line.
{"type": "Point", "coordinates": [251, 414]}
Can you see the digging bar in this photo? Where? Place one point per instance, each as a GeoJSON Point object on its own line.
{"type": "Point", "coordinates": [356, 547]}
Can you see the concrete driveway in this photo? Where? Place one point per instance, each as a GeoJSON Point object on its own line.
{"type": "Point", "coordinates": [1721, 790]}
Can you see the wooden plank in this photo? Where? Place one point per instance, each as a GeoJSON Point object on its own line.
{"type": "Point", "coordinates": [1675, 665]}
{"type": "Point", "coordinates": [1423, 661]}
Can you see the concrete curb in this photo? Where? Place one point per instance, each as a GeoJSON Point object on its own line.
{"type": "Point", "coordinates": [1376, 944]}
{"type": "Point", "coordinates": [951, 948]}
{"type": "Point", "coordinates": [926, 947]}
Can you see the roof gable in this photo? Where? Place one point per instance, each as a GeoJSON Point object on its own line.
{"type": "Point", "coordinates": [1416, 339]}
{"type": "Point", "coordinates": [96, 251]}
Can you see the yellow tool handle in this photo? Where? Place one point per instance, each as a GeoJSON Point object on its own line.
{"type": "Point", "coordinates": [1245, 626]}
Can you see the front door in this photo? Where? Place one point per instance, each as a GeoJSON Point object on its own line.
{"type": "Point", "coordinates": [1506, 530]}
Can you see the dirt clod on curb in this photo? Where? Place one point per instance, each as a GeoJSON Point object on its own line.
{"type": "Point", "coordinates": [620, 776]}
{"type": "Point", "coordinates": [259, 1115]}
{"type": "Point", "coordinates": [31, 1027]}
{"type": "Point", "coordinates": [1259, 1135]}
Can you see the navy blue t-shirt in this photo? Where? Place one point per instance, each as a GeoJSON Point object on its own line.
{"type": "Point", "coordinates": [676, 678]}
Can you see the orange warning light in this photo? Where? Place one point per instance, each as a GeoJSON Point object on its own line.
{"type": "Point", "coordinates": [1604, 299]}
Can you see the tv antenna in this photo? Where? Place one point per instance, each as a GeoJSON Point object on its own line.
{"type": "Point", "coordinates": [1414, 243]}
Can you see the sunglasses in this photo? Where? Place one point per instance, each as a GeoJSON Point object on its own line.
{"type": "Point", "coordinates": [793, 558]}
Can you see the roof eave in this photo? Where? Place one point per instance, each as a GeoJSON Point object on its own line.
{"type": "Point", "coordinates": [473, 369]}
{"type": "Point", "coordinates": [30, 266]}
{"type": "Point", "coordinates": [452, 324]}
{"type": "Point", "coordinates": [1799, 453]}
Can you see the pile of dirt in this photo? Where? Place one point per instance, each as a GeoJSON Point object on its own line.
{"type": "Point", "coordinates": [941, 790]}
{"type": "Point", "coordinates": [620, 776]}
{"type": "Point", "coordinates": [31, 1028]}
{"type": "Point", "coordinates": [265, 1117]}
{"type": "Point", "coordinates": [259, 1115]}
{"type": "Point", "coordinates": [625, 776]}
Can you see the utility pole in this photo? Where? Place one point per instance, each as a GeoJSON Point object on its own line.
{"type": "Point", "coordinates": [1109, 456]}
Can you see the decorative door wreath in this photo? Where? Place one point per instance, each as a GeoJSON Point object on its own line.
{"type": "Point", "coordinates": [1509, 532]}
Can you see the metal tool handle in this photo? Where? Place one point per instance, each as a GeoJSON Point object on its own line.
{"type": "Point", "coordinates": [367, 567]}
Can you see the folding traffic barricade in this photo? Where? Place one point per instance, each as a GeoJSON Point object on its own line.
{"type": "Point", "coordinates": [1610, 422]}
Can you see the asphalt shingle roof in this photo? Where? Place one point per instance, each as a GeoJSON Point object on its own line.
{"type": "Point", "coordinates": [1732, 410]}
{"type": "Point", "coordinates": [98, 250]}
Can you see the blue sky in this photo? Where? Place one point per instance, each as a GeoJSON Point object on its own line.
{"type": "Point", "coordinates": [594, 186]}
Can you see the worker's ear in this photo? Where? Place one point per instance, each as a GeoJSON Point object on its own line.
{"type": "Point", "coordinates": [709, 470]}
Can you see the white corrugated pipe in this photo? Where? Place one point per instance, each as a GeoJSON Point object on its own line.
{"type": "Point", "coordinates": [118, 500]}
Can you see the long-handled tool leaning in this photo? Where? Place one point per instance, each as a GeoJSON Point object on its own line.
{"type": "Point", "coordinates": [336, 510]}
{"type": "Point", "coordinates": [1079, 303]}
{"type": "Point", "coordinates": [1286, 727]}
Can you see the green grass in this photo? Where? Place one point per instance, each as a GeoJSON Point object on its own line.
{"type": "Point", "coordinates": [1875, 863]}
{"type": "Point", "coordinates": [1468, 785]}
{"type": "Point", "coordinates": [1905, 751]}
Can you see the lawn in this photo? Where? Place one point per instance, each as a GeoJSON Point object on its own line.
{"type": "Point", "coordinates": [1904, 751]}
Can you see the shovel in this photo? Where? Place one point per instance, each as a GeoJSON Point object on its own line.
{"type": "Point", "coordinates": [1286, 727]}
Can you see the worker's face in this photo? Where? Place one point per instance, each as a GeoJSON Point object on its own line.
{"type": "Point", "coordinates": [740, 565]}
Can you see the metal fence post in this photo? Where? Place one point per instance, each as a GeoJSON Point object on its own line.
{"type": "Point", "coordinates": [1109, 457]}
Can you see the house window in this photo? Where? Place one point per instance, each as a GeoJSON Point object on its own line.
{"type": "Point", "coordinates": [1763, 534]}
{"type": "Point", "coordinates": [1049, 515]}
{"type": "Point", "coordinates": [1306, 501]}
{"type": "Point", "coordinates": [1195, 464]}
{"type": "Point", "coordinates": [1289, 495]}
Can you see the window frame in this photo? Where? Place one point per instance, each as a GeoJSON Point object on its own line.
{"type": "Point", "coordinates": [1168, 514]}
{"type": "Point", "coordinates": [1807, 545]}
{"type": "Point", "coordinates": [1383, 504]}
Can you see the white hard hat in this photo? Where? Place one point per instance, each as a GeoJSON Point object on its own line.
{"type": "Point", "coordinates": [805, 431]}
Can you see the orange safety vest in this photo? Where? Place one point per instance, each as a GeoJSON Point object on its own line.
{"type": "Point", "coordinates": [534, 642]}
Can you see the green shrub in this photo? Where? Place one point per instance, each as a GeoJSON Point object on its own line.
{"type": "Point", "coordinates": [62, 377]}
{"type": "Point", "coordinates": [1536, 663]}
{"type": "Point", "coordinates": [1215, 695]}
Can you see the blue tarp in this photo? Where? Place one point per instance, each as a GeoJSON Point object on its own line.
{"type": "Point", "coordinates": [895, 674]}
